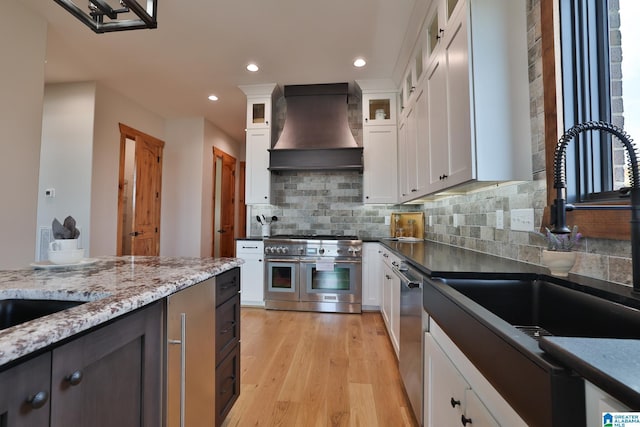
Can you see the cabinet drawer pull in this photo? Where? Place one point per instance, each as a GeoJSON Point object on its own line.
{"type": "Point", "coordinates": [232, 323]}
{"type": "Point", "coordinates": [454, 402]}
{"type": "Point", "coordinates": [74, 378]}
{"type": "Point", "coordinates": [231, 378]}
{"type": "Point", "coordinates": [464, 420]}
{"type": "Point", "coordinates": [38, 400]}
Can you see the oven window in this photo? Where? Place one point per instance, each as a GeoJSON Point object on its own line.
{"type": "Point", "coordinates": [336, 280]}
{"type": "Point", "coordinates": [282, 276]}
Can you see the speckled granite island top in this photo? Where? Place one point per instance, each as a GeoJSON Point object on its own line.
{"type": "Point", "coordinates": [112, 286]}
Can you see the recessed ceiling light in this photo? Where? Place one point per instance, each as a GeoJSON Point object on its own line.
{"type": "Point", "coordinates": [252, 67]}
{"type": "Point", "coordinates": [213, 98]}
{"type": "Point", "coordinates": [359, 62]}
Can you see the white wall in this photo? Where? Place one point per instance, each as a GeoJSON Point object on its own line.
{"type": "Point", "coordinates": [113, 108]}
{"type": "Point", "coordinates": [182, 189]}
{"type": "Point", "coordinates": [65, 158]}
{"type": "Point", "coordinates": [187, 185]}
{"type": "Point", "coordinates": [214, 137]}
{"type": "Point", "coordinates": [21, 89]}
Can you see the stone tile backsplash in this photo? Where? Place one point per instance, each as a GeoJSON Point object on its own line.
{"type": "Point", "coordinates": [314, 202]}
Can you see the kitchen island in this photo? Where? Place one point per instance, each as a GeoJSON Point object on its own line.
{"type": "Point", "coordinates": [80, 363]}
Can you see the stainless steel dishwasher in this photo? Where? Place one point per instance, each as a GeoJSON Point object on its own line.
{"type": "Point", "coordinates": [411, 333]}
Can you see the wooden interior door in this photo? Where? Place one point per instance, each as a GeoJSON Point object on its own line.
{"type": "Point", "coordinates": [242, 204]}
{"type": "Point", "coordinates": [139, 208]}
{"type": "Point", "coordinates": [224, 171]}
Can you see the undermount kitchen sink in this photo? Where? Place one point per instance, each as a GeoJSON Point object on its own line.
{"type": "Point", "coordinates": [537, 307]}
{"type": "Point", "coordinates": [16, 311]}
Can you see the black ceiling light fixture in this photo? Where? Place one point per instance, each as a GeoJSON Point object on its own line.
{"type": "Point", "coordinates": [102, 17]}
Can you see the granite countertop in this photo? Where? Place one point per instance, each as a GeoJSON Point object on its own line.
{"type": "Point", "coordinates": [112, 286]}
{"type": "Point", "coordinates": [610, 364]}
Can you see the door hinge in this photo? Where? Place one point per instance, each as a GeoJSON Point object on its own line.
{"type": "Point", "coordinates": [158, 159]}
{"type": "Point", "coordinates": [157, 194]}
{"type": "Point", "coordinates": [156, 229]}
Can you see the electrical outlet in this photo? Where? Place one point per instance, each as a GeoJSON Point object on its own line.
{"type": "Point", "coordinates": [500, 219]}
{"type": "Point", "coordinates": [522, 219]}
{"type": "Point", "coordinates": [430, 220]}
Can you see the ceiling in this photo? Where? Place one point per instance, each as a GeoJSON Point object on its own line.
{"type": "Point", "coordinates": [202, 47]}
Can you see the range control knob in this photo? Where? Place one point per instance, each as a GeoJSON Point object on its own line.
{"type": "Point", "coordinates": [321, 251]}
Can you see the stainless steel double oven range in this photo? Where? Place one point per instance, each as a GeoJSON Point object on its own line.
{"type": "Point", "coordinates": [313, 273]}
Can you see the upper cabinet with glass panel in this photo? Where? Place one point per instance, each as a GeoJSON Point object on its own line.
{"type": "Point", "coordinates": [378, 102]}
{"type": "Point", "coordinates": [258, 113]}
{"type": "Point", "coordinates": [379, 109]}
{"type": "Point", "coordinates": [437, 21]}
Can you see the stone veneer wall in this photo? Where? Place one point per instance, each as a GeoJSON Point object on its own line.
{"type": "Point", "coordinates": [599, 258]}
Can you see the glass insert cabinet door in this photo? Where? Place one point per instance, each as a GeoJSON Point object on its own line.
{"type": "Point", "coordinates": [258, 113]}
{"type": "Point", "coordinates": [379, 108]}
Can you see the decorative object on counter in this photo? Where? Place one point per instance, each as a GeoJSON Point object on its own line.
{"type": "Point", "coordinates": [558, 257]}
{"type": "Point", "coordinates": [407, 226]}
{"type": "Point", "coordinates": [65, 249]}
{"type": "Point", "coordinates": [67, 230]}
{"type": "Point", "coordinates": [49, 265]}
{"type": "Point", "coordinates": [266, 224]}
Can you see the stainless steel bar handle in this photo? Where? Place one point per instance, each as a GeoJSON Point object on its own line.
{"type": "Point", "coordinates": [403, 278]}
{"type": "Point", "coordinates": [183, 359]}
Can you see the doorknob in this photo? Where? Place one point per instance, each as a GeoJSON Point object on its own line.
{"type": "Point", "coordinates": [222, 231]}
{"type": "Point", "coordinates": [136, 233]}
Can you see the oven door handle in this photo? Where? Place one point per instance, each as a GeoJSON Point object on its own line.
{"type": "Point", "coordinates": [287, 260]}
{"type": "Point", "coordinates": [337, 261]}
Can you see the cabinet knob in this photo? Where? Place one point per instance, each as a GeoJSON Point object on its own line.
{"type": "Point", "coordinates": [38, 400]}
{"type": "Point", "coordinates": [366, 119]}
{"type": "Point", "coordinates": [464, 420]}
{"type": "Point", "coordinates": [454, 402]}
{"type": "Point", "coordinates": [74, 378]}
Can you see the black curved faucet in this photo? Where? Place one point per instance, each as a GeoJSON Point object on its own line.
{"type": "Point", "coordinates": [560, 206]}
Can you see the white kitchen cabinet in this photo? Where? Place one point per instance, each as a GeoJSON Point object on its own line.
{"type": "Point", "coordinates": [391, 298]}
{"type": "Point", "coordinates": [476, 113]}
{"type": "Point", "coordinates": [380, 141]}
{"type": "Point", "coordinates": [260, 101]}
{"type": "Point", "coordinates": [598, 402]}
{"type": "Point", "coordinates": [380, 185]}
{"type": "Point", "coordinates": [371, 273]}
{"type": "Point", "coordinates": [252, 272]}
{"type": "Point", "coordinates": [258, 177]}
{"type": "Point", "coordinates": [413, 147]}
{"type": "Point", "coordinates": [378, 102]}
{"type": "Point", "coordinates": [454, 388]}
{"type": "Point", "coordinates": [259, 112]}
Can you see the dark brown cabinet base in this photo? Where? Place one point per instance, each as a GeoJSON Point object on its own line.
{"type": "Point", "coordinates": [227, 342]}
{"type": "Point", "coordinates": [110, 376]}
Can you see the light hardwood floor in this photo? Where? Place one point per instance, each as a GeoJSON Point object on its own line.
{"type": "Point", "coordinates": [317, 369]}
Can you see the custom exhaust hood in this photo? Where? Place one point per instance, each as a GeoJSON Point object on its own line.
{"type": "Point", "coordinates": [316, 133]}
